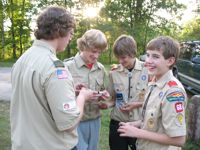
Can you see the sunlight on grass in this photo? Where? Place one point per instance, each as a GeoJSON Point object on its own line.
{"type": "Point", "coordinates": [104, 133]}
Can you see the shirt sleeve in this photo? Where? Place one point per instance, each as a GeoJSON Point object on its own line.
{"type": "Point", "coordinates": [173, 112]}
{"type": "Point", "coordinates": [110, 87]}
{"type": "Point", "coordinates": [60, 94]}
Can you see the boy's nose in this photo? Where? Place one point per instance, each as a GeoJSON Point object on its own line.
{"type": "Point", "coordinates": [96, 55]}
{"type": "Point", "coordinates": [148, 60]}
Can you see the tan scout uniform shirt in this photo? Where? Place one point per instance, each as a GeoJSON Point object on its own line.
{"type": "Point", "coordinates": [165, 112]}
{"type": "Point", "coordinates": [43, 103]}
{"type": "Point", "coordinates": [128, 86]}
{"type": "Point", "coordinates": [93, 78]}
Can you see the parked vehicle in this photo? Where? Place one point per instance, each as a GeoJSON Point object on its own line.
{"type": "Point", "coordinates": [188, 66]}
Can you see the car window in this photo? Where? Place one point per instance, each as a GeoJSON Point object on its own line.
{"type": "Point", "coordinates": [186, 52]}
{"type": "Point", "coordinates": [196, 56]}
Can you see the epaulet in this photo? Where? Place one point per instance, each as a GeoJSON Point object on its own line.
{"type": "Point", "coordinates": [172, 83]}
{"type": "Point", "coordinates": [57, 63]}
{"type": "Point", "coordinates": [113, 67]}
{"type": "Point", "coordinates": [68, 59]}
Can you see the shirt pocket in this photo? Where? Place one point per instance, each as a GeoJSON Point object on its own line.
{"type": "Point", "coordinates": [99, 85]}
{"type": "Point", "coordinates": [151, 121]}
{"type": "Point", "coordinates": [140, 92]}
{"type": "Point", "coordinates": [119, 87]}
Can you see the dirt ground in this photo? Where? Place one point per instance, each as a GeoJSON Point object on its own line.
{"type": "Point", "coordinates": [5, 83]}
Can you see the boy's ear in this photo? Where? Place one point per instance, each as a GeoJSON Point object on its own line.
{"type": "Point", "coordinates": [171, 61]}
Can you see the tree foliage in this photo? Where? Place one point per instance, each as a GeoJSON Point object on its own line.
{"type": "Point", "coordinates": [142, 19]}
{"type": "Point", "coordinates": [191, 30]}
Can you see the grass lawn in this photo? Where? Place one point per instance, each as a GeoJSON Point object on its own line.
{"type": "Point", "coordinates": [6, 64]}
{"type": "Point", "coordinates": [103, 143]}
{"type": "Point", "coordinates": [104, 133]}
{"type": "Point", "coordinates": [5, 142]}
{"type": "Point", "coordinates": [4, 126]}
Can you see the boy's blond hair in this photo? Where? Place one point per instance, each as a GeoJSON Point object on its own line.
{"type": "Point", "coordinates": [92, 39]}
{"type": "Point", "coordinates": [167, 45]}
{"type": "Point", "coordinates": [125, 45]}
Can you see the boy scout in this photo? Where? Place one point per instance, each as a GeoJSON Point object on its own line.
{"type": "Point", "coordinates": [128, 83]}
{"type": "Point", "coordinates": [43, 108]}
{"type": "Point", "coordinates": [163, 117]}
{"type": "Point", "coordinates": [87, 71]}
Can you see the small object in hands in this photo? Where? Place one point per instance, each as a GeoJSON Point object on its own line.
{"type": "Point", "coordinates": [119, 100]}
{"type": "Point", "coordinates": [100, 93]}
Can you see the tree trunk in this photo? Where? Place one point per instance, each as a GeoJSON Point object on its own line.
{"type": "Point", "coordinates": [12, 29]}
{"type": "Point", "coordinates": [110, 53]}
{"type": "Point", "coordinates": [2, 32]}
{"type": "Point", "coordinates": [21, 28]}
{"type": "Point", "coordinates": [194, 118]}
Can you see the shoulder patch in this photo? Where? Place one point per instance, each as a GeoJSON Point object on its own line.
{"type": "Point", "coordinates": [113, 66]}
{"type": "Point", "coordinates": [58, 63]}
{"type": "Point", "coordinates": [175, 96]}
{"type": "Point", "coordinates": [172, 83]}
{"type": "Point", "coordinates": [61, 74]}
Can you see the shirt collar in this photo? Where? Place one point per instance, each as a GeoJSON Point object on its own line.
{"type": "Point", "coordinates": [137, 66]}
{"type": "Point", "coordinates": [45, 45]}
{"type": "Point", "coordinates": [80, 62]}
{"type": "Point", "coordinates": [163, 80]}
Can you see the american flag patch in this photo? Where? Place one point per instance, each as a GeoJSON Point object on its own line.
{"type": "Point", "coordinates": [61, 74]}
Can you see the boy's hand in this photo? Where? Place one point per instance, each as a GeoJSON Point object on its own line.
{"type": "Point", "coordinates": [101, 95]}
{"type": "Point", "coordinates": [103, 105]}
{"type": "Point", "coordinates": [130, 106]}
{"type": "Point", "coordinates": [128, 130]}
{"type": "Point", "coordinates": [78, 87]}
{"type": "Point", "coordinates": [105, 95]}
{"type": "Point", "coordinates": [87, 93]}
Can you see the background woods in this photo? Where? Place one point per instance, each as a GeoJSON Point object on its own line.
{"type": "Point", "coordinates": [143, 19]}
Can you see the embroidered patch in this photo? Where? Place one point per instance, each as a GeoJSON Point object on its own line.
{"type": "Point", "coordinates": [175, 96]}
{"type": "Point", "coordinates": [179, 107]}
{"type": "Point", "coordinates": [61, 74]}
{"type": "Point", "coordinates": [179, 119]}
{"type": "Point", "coordinates": [69, 105]}
{"type": "Point", "coordinates": [172, 83]}
{"type": "Point", "coordinates": [142, 95]}
{"type": "Point", "coordinates": [160, 94]}
{"type": "Point", "coordinates": [144, 77]}
{"type": "Point", "coordinates": [114, 66]}
{"type": "Point", "coordinates": [150, 123]}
